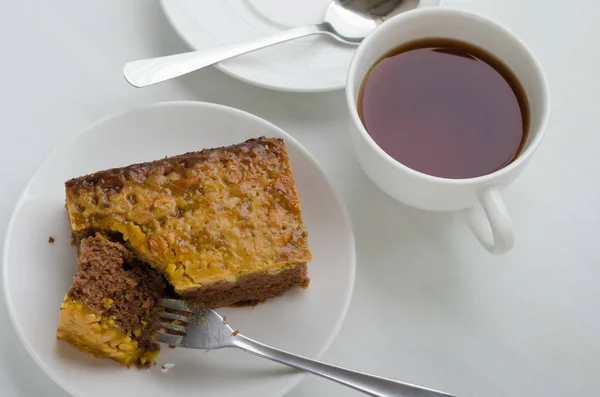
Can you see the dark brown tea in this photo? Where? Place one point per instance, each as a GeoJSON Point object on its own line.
{"type": "Point", "coordinates": [445, 108]}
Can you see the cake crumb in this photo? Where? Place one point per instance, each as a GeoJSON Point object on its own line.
{"type": "Point", "coordinates": [172, 347]}
{"type": "Point", "coordinates": [235, 332]}
{"type": "Point", "coordinates": [166, 367]}
{"type": "Point", "coordinates": [224, 320]}
{"type": "Point", "coordinates": [207, 350]}
{"type": "Point", "coordinates": [51, 240]}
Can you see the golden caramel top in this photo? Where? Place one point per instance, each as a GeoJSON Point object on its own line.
{"type": "Point", "coordinates": [100, 336]}
{"type": "Point", "coordinates": [201, 217]}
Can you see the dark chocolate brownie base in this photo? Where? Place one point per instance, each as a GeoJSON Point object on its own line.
{"type": "Point", "coordinates": [106, 270]}
{"type": "Point", "coordinates": [249, 290]}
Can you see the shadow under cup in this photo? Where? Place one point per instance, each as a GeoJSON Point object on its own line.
{"type": "Point", "coordinates": [430, 192]}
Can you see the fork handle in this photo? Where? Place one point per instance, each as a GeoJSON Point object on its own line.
{"type": "Point", "coordinates": [368, 384]}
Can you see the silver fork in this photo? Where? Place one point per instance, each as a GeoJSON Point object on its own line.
{"type": "Point", "coordinates": [205, 329]}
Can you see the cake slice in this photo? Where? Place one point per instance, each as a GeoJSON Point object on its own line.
{"type": "Point", "coordinates": [223, 225]}
{"type": "Point", "coordinates": [109, 308]}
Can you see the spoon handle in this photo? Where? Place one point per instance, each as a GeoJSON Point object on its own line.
{"type": "Point", "coordinates": [150, 71]}
{"type": "Point", "coordinates": [368, 384]}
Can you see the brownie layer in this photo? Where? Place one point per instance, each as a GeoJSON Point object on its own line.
{"type": "Point", "coordinates": [249, 290]}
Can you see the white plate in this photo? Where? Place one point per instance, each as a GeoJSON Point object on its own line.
{"type": "Point", "coordinates": [309, 64]}
{"type": "Point", "coordinates": [37, 274]}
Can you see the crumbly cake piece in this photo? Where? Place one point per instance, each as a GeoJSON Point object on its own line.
{"type": "Point", "coordinates": [109, 308]}
{"type": "Point", "coordinates": [224, 223]}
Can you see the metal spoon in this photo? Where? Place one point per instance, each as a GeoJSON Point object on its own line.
{"type": "Point", "coordinates": [348, 21]}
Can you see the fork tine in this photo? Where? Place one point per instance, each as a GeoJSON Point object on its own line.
{"type": "Point", "coordinates": [173, 327]}
{"type": "Point", "coordinates": [172, 340]}
{"type": "Point", "coordinates": [173, 316]}
{"type": "Point", "coordinates": [174, 304]}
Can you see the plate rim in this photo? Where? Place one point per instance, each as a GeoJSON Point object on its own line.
{"type": "Point", "coordinates": [231, 72]}
{"type": "Point", "coordinates": [165, 104]}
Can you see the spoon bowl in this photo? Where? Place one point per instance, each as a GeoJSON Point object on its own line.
{"type": "Point", "coordinates": [350, 21]}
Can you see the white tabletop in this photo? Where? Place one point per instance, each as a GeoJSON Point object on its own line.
{"type": "Point", "coordinates": [430, 306]}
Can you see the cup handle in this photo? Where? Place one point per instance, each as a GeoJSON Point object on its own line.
{"type": "Point", "coordinates": [492, 212]}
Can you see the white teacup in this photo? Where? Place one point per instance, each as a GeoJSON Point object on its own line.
{"type": "Point", "coordinates": [440, 194]}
